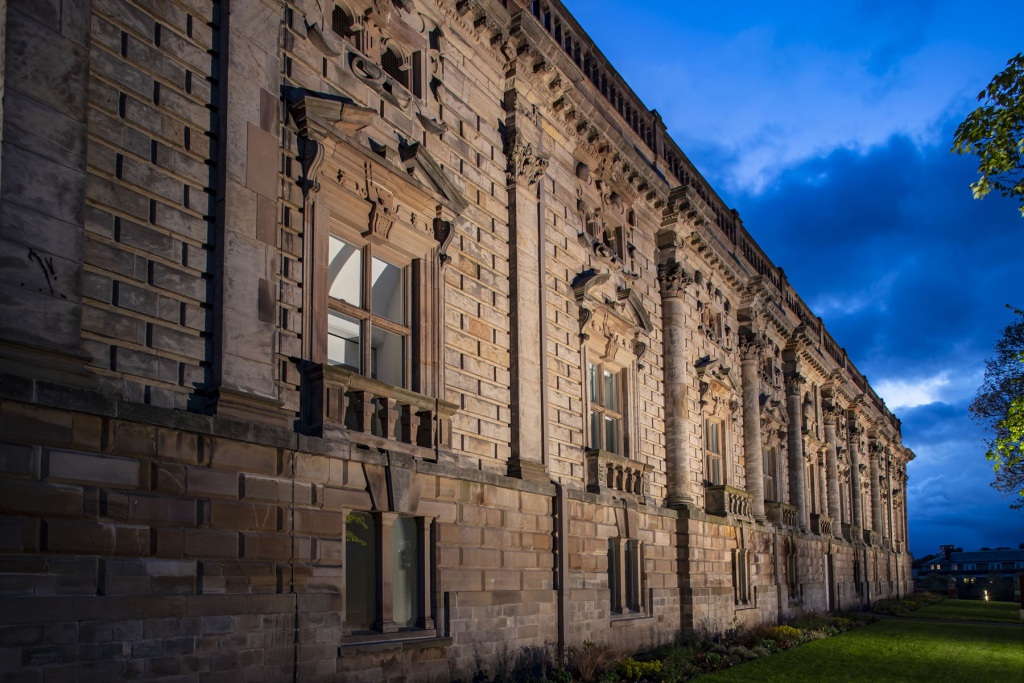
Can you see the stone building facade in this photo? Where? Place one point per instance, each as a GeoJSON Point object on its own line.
{"type": "Point", "coordinates": [393, 340]}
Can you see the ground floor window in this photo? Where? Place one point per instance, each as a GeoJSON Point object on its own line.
{"type": "Point", "coordinates": [741, 579]}
{"type": "Point", "coordinates": [625, 576]}
{"type": "Point", "coordinates": [386, 578]}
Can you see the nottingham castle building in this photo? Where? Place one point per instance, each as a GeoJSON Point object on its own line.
{"type": "Point", "coordinates": [391, 340]}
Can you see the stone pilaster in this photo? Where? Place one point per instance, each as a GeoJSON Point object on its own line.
{"type": "Point", "coordinates": [525, 169]}
{"type": "Point", "coordinates": [797, 464]}
{"type": "Point", "coordinates": [832, 472]}
{"type": "Point", "coordinates": [750, 354]}
{"type": "Point", "coordinates": [674, 281]}
{"type": "Point", "coordinates": [246, 260]}
{"type": "Point", "coordinates": [875, 450]}
{"type": "Point", "coordinates": [45, 91]}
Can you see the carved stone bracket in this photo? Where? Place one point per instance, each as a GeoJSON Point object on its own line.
{"type": "Point", "coordinates": [311, 157]}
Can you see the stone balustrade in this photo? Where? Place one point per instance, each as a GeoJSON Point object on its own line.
{"type": "Point", "coordinates": [781, 514]}
{"type": "Point", "coordinates": [727, 501]}
{"type": "Point", "coordinates": [821, 525]}
{"type": "Point", "coordinates": [607, 471]}
{"type": "Point", "coordinates": [374, 413]}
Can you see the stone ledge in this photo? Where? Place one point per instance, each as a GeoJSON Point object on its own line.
{"type": "Point", "coordinates": [383, 646]}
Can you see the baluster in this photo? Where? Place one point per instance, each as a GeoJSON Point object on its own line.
{"type": "Point", "coordinates": [410, 424]}
{"type": "Point", "coordinates": [387, 416]}
{"type": "Point", "coordinates": [425, 436]}
{"type": "Point", "coordinates": [364, 410]}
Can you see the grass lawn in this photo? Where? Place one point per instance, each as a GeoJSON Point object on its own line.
{"type": "Point", "coordinates": [970, 610]}
{"type": "Point", "coordinates": [896, 650]}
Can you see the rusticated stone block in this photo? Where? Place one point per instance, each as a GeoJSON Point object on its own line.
{"type": "Point", "coordinates": [201, 543]}
{"type": "Point", "coordinates": [244, 516]}
{"type": "Point", "coordinates": [40, 499]}
{"type": "Point", "coordinates": [205, 481]}
{"type": "Point", "coordinates": [90, 538]}
{"type": "Point", "coordinates": [93, 469]}
{"type": "Point", "coordinates": [177, 445]}
{"type": "Point", "coordinates": [232, 455]}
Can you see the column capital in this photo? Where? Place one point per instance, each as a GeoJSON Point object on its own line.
{"type": "Point", "coordinates": [794, 382]}
{"type": "Point", "coordinates": [752, 347]}
{"type": "Point", "coordinates": [673, 279]}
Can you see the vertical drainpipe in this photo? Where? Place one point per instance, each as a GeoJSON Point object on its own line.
{"type": "Point", "coordinates": [560, 514]}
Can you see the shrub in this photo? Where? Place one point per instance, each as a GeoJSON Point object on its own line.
{"type": "Point", "coordinates": [633, 670]}
{"type": "Point", "coordinates": [785, 636]}
{"type": "Point", "coordinates": [589, 660]}
{"type": "Point", "coordinates": [761, 651]}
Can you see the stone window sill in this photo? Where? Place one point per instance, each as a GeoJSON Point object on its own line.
{"type": "Point", "coordinates": [393, 642]}
{"type": "Point", "coordinates": [618, 619]}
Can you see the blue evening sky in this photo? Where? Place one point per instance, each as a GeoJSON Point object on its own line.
{"type": "Point", "coordinates": [828, 127]}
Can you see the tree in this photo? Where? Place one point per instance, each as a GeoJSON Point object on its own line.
{"type": "Point", "coordinates": [994, 132]}
{"type": "Point", "coordinates": [999, 404]}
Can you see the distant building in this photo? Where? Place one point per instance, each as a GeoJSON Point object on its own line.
{"type": "Point", "coordinates": [973, 572]}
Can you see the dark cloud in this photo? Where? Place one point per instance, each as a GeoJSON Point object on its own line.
{"type": "Point", "coordinates": [911, 276]}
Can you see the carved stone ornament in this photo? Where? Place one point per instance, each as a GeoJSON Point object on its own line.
{"type": "Point", "coordinates": [639, 349]}
{"type": "Point", "coordinates": [382, 217]}
{"type": "Point", "coordinates": [752, 347]}
{"type": "Point", "coordinates": [444, 232]}
{"type": "Point", "coordinates": [524, 162]}
{"type": "Point", "coordinates": [794, 382]}
{"type": "Point", "coordinates": [673, 279]}
{"type": "Point", "coordinates": [311, 156]}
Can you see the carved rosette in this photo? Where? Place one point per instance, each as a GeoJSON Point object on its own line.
{"type": "Point", "coordinates": [673, 279]}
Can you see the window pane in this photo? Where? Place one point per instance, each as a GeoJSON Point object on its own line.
{"type": "Point", "coordinates": [345, 272]}
{"type": "Point", "coordinates": [632, 580]}
{"type": "Point", "coordinates": [611, 390]}
{"type": "Point", "coordinates": [595, 389]}
{"type": "Point", "coordinates": [613, 576]}
{"type": "Point", "coordinates": [611, 434]}
{"type": "Point", "coordinates": [405, 572]}
{"type": "Point", "coordinates": [344, 345]}
{"type": "Point", "coordinates": [713, 437]}
{"type": "Point", "coordinates": [387, 292]}
{"type": "Point", "coordinates": [595, 429]}
{"type": "Point", "coordinates": [360, 571]}
{"type": "Point", "coordinates": [386, 357]}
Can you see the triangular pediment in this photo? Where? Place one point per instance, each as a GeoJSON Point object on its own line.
{"type": "Point", "coordinates": [422, 166]}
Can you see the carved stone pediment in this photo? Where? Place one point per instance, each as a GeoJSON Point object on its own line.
{"type": "Point", "coordinates": [420, 164]}
{"type": "Point", "coordinates": [614, 317]}
{"type": "Point", "coordinates": [717, 386]}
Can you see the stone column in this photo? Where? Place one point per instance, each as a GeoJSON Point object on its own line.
{"type": "Point", "coordinates": [889, 534]}
{"type": "Point", "coordinates": [832, 470]}
{"type": "Point", "coordinates": [875, 450]}
{"type": "Point", "coordinates": [673, 281]}
{"type": "Point", "coordinates": [823, 485]}
{"type": "Point", "coordinates": [797, 465]}
{"type": "Point", "coordinates": [525, 168]}
{"type": "Point", "coordinates": [857, 513]}
{"type": "Point", "coordinates": [750, 353]}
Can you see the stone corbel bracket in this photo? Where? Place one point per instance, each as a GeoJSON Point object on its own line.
{"type": "Point", "coordinates": [319, 116]}
{"type": "Point", "coordinates": [581, 284]}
